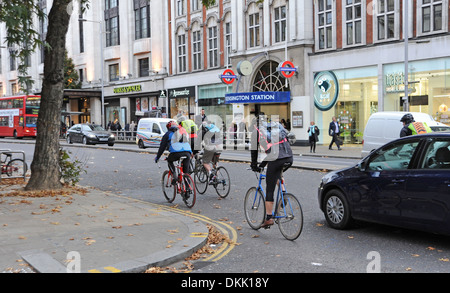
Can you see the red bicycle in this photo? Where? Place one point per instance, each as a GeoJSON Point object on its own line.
{"type": "Point", "coordinates": [183, 185]}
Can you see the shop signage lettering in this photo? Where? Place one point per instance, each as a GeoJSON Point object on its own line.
{"type": "Point", "coordinates": [176, 93]}
{"type": "Point", "coordinates": [258, 97]}
{"type": "Point", "coordinates": [128, 89]}
{"type": "Point", "coordinates": [394, 81]}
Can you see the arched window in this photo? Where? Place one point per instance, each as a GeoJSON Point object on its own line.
{"type": "Point", "coordinates": [268, 79]}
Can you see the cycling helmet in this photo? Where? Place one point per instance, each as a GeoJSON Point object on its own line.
{"type": "Point", "coordinates": [407, 118]}
{"type": "Point", "coordinates": [291, 138]}
{"type": "Point", "coordinates": [170, 124]}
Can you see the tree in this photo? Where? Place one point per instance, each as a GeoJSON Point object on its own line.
{"type": "Point", "coordinates": [18, 17]}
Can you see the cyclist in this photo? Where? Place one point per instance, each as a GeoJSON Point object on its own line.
{"type": "Point", "coordinates": [273, 139]}
{"type": "Point", "coordinates": [176, 141]}
{"type": "Point", "coordinates": [191, 130]}
{"type": "Point", "coordinates": [211, 135]}
{"type": "Point", "coordinates": [411, 127]}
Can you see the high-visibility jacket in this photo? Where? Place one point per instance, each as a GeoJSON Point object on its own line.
{"type": "Point", "coordinates": [419, 128]}
{"type": "Point", "coordinates": [191, 127]}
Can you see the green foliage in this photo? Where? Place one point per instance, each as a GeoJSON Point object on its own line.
{"type": "Point", "coordinates": [210, 3]}
{"type": "Point", "coordinates": [70, 170]}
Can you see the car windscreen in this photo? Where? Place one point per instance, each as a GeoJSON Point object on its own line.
{"type": "Point", "coordinates": [95, 127]}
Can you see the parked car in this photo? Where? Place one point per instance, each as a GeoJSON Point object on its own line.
{"type": "Point", "coordinates": [405, 183]}
{"type": "Point", "coordinates": [89, 134]}
{"type": "Point", "coordinates": [383, 127]}
{"type": "Point", "coordinates": [150, 131]}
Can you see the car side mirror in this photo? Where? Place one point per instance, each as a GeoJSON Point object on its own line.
{"type": "Point", "coordinates": [362, 165]}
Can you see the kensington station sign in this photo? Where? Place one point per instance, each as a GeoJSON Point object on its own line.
{"type": "Point", "coordinates": [128, 89]}
{"type": "Point", "coordinates": [258, 97]}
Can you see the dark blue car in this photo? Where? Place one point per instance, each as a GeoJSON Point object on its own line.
{"type": "Point", "coordinates": [405, 183]}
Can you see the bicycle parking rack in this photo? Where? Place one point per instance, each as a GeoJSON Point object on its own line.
{"type": "Point", "coordinates": [2, 151]}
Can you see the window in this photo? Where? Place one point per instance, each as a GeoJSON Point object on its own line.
{"type": "Point", "coordinates": [386, 19]}
{"type": "Point", "coordinates": [393, 157]}
{"type": "Point", "coordinates": [228, 42]}
{"type": "Point", "coordinates": [142, 20]}
{"type": "Point", "coordinates": [143, 67]}
{"type": "Point", "coordinates": [196, 50]}
{"type": "Point", "coordinates": [213, 51]}
{"type": "Point", "coordinates": [267, 79]}
{"type": "Point", "coordinates": [437, 155]}
{"type": "Point", "coordinates": [253, 27]}
{"type": "Point", "coordinates": [280, 24]}
{"type": "Point", "coordinates": [180, 7]}
{"type": "Point", "coordinates": [182, 53]}
{"type": "Point", "coordinates": [12, 59]}
{"type": "Point", "coordinates": [155, 128]}
{"type": "Point", "coordinates": [114, 72]}
{"type": "Point", "coordinates": [112, 22]}
{"type": "Point", "coordinates": [195, 5]}
{"type": "Point", "coordinates": [432, 18]}
{"type": "Point", "coordinates": [324, 25]}
{"type": "Point", "coordinates": [353, 22]}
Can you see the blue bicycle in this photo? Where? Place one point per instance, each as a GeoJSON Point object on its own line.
{"type": "Point", "coordinates": [287, 214]}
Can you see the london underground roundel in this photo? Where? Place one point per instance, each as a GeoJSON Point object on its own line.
{"type": "Point", "coordinates": [326, 90]}
{"type": "Point", "coordinates": [228, 76]}
{"type": "Point", "coordinates": [288, 69]}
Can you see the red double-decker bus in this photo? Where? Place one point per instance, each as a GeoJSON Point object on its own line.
{"type": "Point", "coordinates": [18, 116]}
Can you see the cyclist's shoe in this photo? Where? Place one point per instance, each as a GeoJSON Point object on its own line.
{"type": "Point", "coordinates": [267, 224]}
{"type": "Point", "coordinates": [186, 195]}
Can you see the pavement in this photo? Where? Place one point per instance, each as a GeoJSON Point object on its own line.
{"type": "Point", "coordinates": [91, 231]}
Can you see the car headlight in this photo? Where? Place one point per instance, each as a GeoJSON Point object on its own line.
{"type": "Point", "coordinates": [111, 135]}
{"type": "Point", "coordinates": [329, 177]}
{"type": "Point", "coordinates": [91, 135]}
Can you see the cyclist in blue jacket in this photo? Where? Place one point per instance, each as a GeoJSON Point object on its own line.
{"type": "Point", "coordinates": [177, 142]}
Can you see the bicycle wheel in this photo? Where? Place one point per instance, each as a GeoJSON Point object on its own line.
{"type": "Point", "coordinates": [16, 168]}
{"type": "Point", "coordinates": [289, 216]}
{"type": "Point", "coordinates": [201, 180]}
{"type": "Point", "coordinates": [188, 190]}
{"type": "Point", "coordinates": [222, 182]}
{"type": "Point", "coordinates": [168, 188]}
{"type": "Point", "coordinates": [254, 208]}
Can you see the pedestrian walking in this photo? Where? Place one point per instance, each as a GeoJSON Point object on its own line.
{"type": "Point", "coordinates": [334, 132]}
{"type": "Point", "coordinates": [314, 132]}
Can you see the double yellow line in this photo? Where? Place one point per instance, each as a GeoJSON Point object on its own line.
{"type": "Point", "coordinates": [224, 228]}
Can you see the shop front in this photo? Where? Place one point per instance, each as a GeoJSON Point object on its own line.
{"type": "Point", "coordinates": [428, 87]}
{"type": "Point", "coordinates": [182, 101]}
{"type": "Point", "coordinates": [351, 95]}
{"type": "Point", "coordinates": [211, 98]}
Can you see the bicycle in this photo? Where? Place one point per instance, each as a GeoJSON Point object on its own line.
{"type": "Point", "coordinates": [184, 185]}
{"type": "Point", "coordinates": [287, 214]}
{"type": "Point", "coordinates": [220, 178]}
{"type": "Point", "coordinates": [13, 167]}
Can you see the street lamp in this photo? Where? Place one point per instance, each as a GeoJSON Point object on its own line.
{"type": "Point", "coordinates": [102, 67]}
{"type": "Point", "coordinates": [406, 37]}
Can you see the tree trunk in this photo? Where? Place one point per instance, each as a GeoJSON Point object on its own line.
{"type": "Point", "coordinates": [45, 170]}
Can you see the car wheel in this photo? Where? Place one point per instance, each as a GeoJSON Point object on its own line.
{"type": "Point", "coordinates": [141, 144]}
{"type": "Point", "coordinates": [69, 139]}
{"type": "Point", "coordinates": [85, 140]}
{"type": "Point", "coordinates": [337, 211]}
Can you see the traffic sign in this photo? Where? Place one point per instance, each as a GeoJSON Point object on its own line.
{"type": "Point", "coordinates": [228, 76]}
{"type": "Point", "coordinates": [287, 69]}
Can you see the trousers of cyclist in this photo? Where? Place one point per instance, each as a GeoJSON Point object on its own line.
{"type": "Point", "coordinates": [272, 138]}
{"type": "Point", "coordinates": [175, 140]}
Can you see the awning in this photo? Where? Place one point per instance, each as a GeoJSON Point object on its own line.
{"type": "Point", "coordinates": [258, 97]}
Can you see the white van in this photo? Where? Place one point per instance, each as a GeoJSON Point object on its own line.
{"type": "Point", "coordinates": [384, 127]}
{"type": "Point", "coordinates": [150, 131]}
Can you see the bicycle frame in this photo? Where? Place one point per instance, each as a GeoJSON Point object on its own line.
{"type": "Point", "coordinates": [280, 194]}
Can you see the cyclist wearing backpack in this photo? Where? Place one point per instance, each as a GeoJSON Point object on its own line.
{"type": "Point", "coordinates": [211, 136]}
{"type": "Point", "coordinates": [273, 139]}
{"type": "Point", "coordinates": [176, 141]}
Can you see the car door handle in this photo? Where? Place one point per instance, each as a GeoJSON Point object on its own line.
{"type": "Point", "coordinates": [398, 180]}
